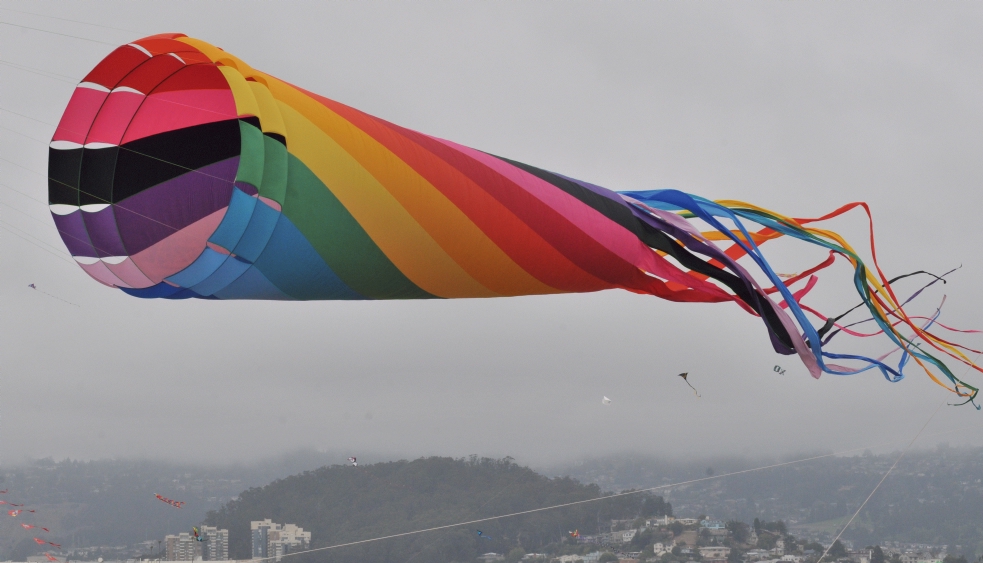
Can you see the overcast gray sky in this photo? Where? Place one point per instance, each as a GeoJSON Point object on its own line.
{"type": "Point", "coordinates": [796, 106]}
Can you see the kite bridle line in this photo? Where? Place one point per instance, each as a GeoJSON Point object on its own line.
{"type": "Point", "coordinates": [83, 191]}
{"type": "Point", "coordinates": [59, 252]}
{"type": "Point", "coordinates": [39, 72]}
{"type": "Point", "coordinates": [86, 193]}
{"type": "Point", "coordinates": [70, 20]}
{"type": "Point", "coordinates": [16, 132]}
{"type": "Point", "coordinates": [56, 33]}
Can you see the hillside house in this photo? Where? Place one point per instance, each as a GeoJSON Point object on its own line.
{"type": "Point", "coordinates": [687, 521]}
{"type": "Point", "coordinates": [714, 553]}
{"type": "Point", "coordinates": [664, 521]}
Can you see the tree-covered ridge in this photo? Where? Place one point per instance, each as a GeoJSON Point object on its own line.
{"type": "Point", "coordinates": [340, 504]}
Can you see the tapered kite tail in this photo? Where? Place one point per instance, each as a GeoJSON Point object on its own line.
{"type": "Point", "coordinates": [874, 288]}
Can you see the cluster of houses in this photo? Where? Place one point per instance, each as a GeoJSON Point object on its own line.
{"type": "Point", "coordinates": [702, 540]}
{"type": "Point", "coordinates": [616, 540]}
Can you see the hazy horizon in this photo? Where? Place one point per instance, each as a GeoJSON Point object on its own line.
{"type": "Point", "coordinates": [310, 458]}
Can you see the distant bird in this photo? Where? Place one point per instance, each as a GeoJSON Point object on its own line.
{"type": "Point", "coordinates": [605, 401]}
{"type": "Point", "coordinates": [353, 461]}
{"type": "Point", "coordinates": [685, 376]}
{"type": "Point", "coordinates": [32, 286]}
{"type": "Point", "coordinates": [482, 535]}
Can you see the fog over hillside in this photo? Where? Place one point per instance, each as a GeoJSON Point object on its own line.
{"type": "Point", "coordinates": [933, 496]}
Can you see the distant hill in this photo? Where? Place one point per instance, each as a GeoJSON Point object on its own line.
{"type": "Point", "coordinates": [932, 496]}
{"type": "Point", "coordinates": [341, 504]}
{"type": "Point", "coordinates": [111, 503]}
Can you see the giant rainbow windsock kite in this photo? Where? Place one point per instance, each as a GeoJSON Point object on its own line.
{"type": "Point", "coordinates": [179, 171]}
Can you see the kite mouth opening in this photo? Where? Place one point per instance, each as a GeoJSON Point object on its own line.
{"type": "Point", "coordinates": [146, 162]}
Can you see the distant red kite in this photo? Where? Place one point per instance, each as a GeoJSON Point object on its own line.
{"type": "Point", "coordinates": [174, 503]}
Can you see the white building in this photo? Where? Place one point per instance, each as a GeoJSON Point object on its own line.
{"type": "Point", "coordinates": [664, 521]}
{"type": "Point", "coordinates": [216, 544]}
{"type": "Point", "coordinates": [274, 540]}
{"type": "Point", "coordinates": [182, 547]}
{"type": "Point", "coordinates": [628, 535]}
{"type": "Point", "coordinates": [687, 521]}
{"type": "Point", "coordinates": [714, 553]}
{"type": "Point", "coordinates": [288, 539]}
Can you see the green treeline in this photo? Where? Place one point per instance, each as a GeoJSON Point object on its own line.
{"type": "Point", "coordinates": [340, 504]}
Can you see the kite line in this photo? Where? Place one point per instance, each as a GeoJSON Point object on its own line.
{"type": "Point", "coordinates": [598, 499]}
{"type": "Point", "coordinates": [895, 464]}
{"type": "Point", "coordinates": [56, 33]}
{"type": "Point", "coordinates": [29, 241]}
{"type": "Point", "coordinates": [70, 20]}
{"type": "Point", "coordinates": [862, 505]}
{"type": "Point", "coordinates": [34, 287]}
{"type": "Point", "coordinates": [46, 74]}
